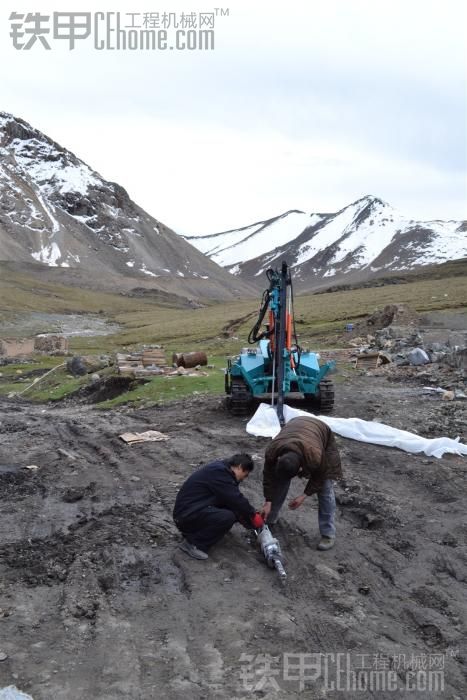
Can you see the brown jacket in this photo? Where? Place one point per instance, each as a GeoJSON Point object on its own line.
{"type": "Point", "coordinates": [314, 442]}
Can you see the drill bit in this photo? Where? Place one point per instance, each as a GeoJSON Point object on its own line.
{"type": "Point", "coordinates": [271, 550]}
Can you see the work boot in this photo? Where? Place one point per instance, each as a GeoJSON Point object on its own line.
{"type": "Point", "coordinates": [326, 543]}
{"type": "Point", "coordinates": [192, 551]}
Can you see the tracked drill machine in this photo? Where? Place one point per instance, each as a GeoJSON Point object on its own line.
{"type": "Point", "coordinates": [277, 369]}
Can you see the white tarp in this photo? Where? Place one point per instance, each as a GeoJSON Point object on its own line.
{"type": "Point", "coordinates": [12, 693]}
{"type": "Point", "coordinates": [265, 423]}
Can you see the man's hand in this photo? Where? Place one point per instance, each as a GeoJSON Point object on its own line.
{"type": "Point", "coordinates": [266, 509]}
{"type": "Point", "coordinates": [297, 502]}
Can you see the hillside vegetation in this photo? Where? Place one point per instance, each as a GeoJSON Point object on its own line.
{"type": "Point", "coordinates": [221, 330]}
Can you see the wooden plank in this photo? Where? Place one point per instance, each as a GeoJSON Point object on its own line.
{"type": "Point", "coordinates": [367, 360]}
{"type": "Point", "coordinates": [154, 357]}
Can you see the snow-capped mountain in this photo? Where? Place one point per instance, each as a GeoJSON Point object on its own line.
{"type": "Point", "coordinates": [365, 238]}
{"type": "Point", "coordinates": [57, 211]}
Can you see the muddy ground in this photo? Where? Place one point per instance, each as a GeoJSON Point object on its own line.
{"type": "Point", "coordinates": [97, 601]}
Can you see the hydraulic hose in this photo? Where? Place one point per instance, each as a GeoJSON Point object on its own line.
{"type": "Point", "coordinates": [254, 335]}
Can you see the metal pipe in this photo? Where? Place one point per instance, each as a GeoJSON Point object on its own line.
{"type": "Point", "coordinates": [273, 376]}
{"type": "Point", "coordinates": [280, 350]}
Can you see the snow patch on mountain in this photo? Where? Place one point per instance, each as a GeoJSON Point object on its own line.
{"type": "Point", "coordinates": [48, 254]}
{"type": "Point", "coordinates": [327, 235]}
{"type": "Point", "coordinates": [145, 271]}
{"type": "Point", "coordinates": [368, 234]}
{"type": "Point", "coordinates": [50, 216]}
{"type": "Point", "coordinates": [42, 163]}
{"type": "Point", "coordinates": [232, 247]}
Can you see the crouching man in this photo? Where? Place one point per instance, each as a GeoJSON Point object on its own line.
{"type": "Point", "coordinates": [305, 447]}
{"type": "Point", "coordinates": [210, 502]}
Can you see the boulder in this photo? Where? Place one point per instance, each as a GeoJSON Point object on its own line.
{"type": "Point", "coordinates": [76, 366]}
{"type": "Point", "coordinates": [418, 356]}
{"type": "Point", "coordinates": [86, 364]}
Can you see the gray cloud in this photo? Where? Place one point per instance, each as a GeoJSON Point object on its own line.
{"type": "Point", "coordinates": [385, 83]}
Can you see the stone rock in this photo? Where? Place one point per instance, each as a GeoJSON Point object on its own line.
{"type": "Point", "coordinates": [73, 494]}
{"type": "Point", "coordinates": [391, 314]}
{"type": "Point", "coordinates": [357, 342]}
{"type": "Point", "coordinates": [76, 366]}
{"type": "Point", "coordinates": [418, 356]}
{"type": "Point", "coordinates": [94, 363]}
{"type": "Point", "coordinates": [438, 356]}
{"type": "Point", "coordinates": [327, 571]}
{"type": "Point", "coordinates": [86, 364]}
{"type": "Point", "coordinates": [372, 522]}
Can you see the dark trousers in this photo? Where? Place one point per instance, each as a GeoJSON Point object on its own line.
{"type": "Point", "coordinates": [206, 527]}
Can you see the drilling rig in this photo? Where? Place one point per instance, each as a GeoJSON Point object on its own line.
{"type": "Point", "coordinates": [277, 369]}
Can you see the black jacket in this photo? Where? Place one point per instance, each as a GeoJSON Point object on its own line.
{"type": "Point", "coordinates": [211, 485]}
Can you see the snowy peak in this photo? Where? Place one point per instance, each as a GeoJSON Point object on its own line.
{"type": "Point", "coordinates": [363, 238]}
{"type": "Point", "coordinates": [45, 162]}
{"type": "Point", "coordinates": [58, 182]}
{"type": "Point", "coordinates": [56, 210]}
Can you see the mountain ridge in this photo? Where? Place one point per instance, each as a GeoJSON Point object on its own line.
{"type": "Point", "coordinates": [366, 237]}
{"type": "Point", "coordinates": [57, 211]}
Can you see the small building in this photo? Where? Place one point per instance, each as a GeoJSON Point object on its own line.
{"type": "Point", "coordinates": [56, 344]}
{"type": "Point", "coordinates": [16, 347]}
{"type": "Point", "coordinates": [22, 347]}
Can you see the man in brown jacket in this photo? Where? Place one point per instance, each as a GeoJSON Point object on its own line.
{"type": "Point", "coordinates": [305, 447]}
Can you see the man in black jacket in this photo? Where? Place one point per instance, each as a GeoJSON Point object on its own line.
{"type": "Point", "coordinates": [210, 502]}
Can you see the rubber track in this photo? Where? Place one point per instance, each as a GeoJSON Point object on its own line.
{"type": "Point", "coordinates": [326, 394]}
{"type": "Point", "coordinates": [240, 397]}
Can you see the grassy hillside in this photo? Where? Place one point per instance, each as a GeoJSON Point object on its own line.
{"type": "Point", "coordinates": [152, 320]}
{"type": "Point", "coordinates": [219, 329]}
{"type": "Point", "coordinates": [452, 268]}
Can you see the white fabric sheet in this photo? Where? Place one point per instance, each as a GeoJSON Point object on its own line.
{"type": "Point", "coordinates": [12, 693]}
{"type": "Point", "coordinates": [265, 423]}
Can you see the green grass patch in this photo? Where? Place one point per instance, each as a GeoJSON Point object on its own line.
{"type": "Point", "coordinates": [165, 388]}
{"type": "Point", "coordinates": [56, 387]}
{"type": "Point", "coordinates": [171, 387]}
{"type": "Point", "coordinates": [30, 381]}
{"type": "Point", "coordinates": [39, 362]}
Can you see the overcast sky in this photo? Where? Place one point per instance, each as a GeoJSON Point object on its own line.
{"type": "Point", "coordinates": [307, 105]}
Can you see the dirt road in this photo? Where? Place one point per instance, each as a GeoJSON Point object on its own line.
{"type": "Point", "coordinates": [97, 601]}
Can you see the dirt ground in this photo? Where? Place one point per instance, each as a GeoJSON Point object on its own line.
{"type": "Point", "coordinates": [97, 602]}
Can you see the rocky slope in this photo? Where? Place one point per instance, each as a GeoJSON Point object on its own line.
{"type": "Point", "coordinates": [366, 238]}
{"type": "Point", "coordinates": [54, 209]}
